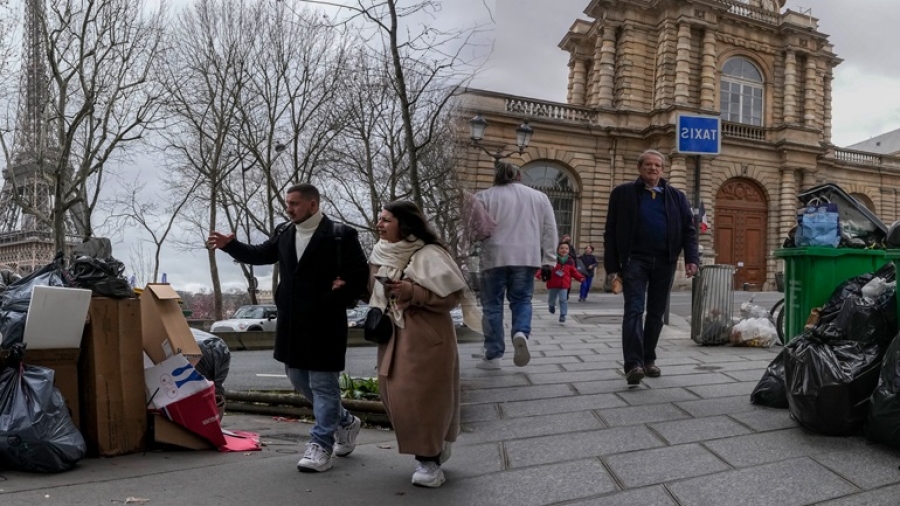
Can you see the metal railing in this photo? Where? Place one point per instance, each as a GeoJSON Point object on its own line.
{"type": "Point", "coordinates": [549, 110]}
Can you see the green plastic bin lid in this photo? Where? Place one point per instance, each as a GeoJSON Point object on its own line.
{"type": "Point", "coordinates": [892, 254]}
{"type": "Point", "coordinates": [830, 252]}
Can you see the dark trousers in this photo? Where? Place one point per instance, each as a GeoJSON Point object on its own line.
{"type": "Point", "coordinates": [646, 282]}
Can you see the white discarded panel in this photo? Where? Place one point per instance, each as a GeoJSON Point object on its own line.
{"type": "Point", "coordinates": [56, 317]}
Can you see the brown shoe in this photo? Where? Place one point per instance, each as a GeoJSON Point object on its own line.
{"type": "Point", "coordinates": [652, 371]}
{"type": "Point", "coordinates": [634, 376]}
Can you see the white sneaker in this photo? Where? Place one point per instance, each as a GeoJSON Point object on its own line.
{"type": "Point", "coordinates": [489, 364]}
{"type": "Point", "coordinates": [315, 460]}
{"type": "Point", "coordinates": [445, 453]}
{"type": "Point", "coordinates": [428, 474]}
{"type": "Point", "coordinates": [345, 438]}
{"type": "Point", "coordinates": [520, 343]}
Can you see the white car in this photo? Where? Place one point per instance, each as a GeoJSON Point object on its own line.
{"type": "Point", "coordinates": [249, 319]}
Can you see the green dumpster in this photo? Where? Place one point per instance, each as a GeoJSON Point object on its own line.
{"type": "Point", "coordinates": [812, 274]}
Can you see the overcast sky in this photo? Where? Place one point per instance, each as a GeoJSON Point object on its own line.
{"type": "Point", "coordinates": [526, 61]}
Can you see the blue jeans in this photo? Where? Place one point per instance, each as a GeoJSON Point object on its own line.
{"type": "Point", "coordinates": [517, 284]}
{"type": "Point", "coordinates": [563, 294]}
{"type": "Point", "coordinates": [585, 287]}
{"type": "Point", "coordinates": [644, 279]}
{"type": "Point", "coordinates": [323, 390]}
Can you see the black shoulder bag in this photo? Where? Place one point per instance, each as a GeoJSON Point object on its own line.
{"type": "Point", "coordinates": [379, 327]}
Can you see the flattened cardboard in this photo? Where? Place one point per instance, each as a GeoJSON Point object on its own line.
{"type": "Point", "coordinates": [168, 432]}
{"type": "Point", "coordinates": [164, 327]}
{"type": "Point", "coordinates": [55, 318]}
{"type": "Point", "coordinates": [64, 363]}
{"type": "Point", "coordinates": [199, 415]}
{"type": "Point", "coordinates": [114, 417]}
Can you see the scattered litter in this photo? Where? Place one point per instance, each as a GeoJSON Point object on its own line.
{"type": "Point", "coordinates": [385, 446]}
{"type": "Point", "coordinates": [136, 500]}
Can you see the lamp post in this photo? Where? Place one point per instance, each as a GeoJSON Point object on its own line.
{"type": "Point", "coordinates": [478, 125]}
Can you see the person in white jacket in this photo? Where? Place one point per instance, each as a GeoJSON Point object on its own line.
{"type": "Point", "coordinates": [523, 240]}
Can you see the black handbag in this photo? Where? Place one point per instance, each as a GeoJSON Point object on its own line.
{"type": "Point", "coordinates": [378, 328]}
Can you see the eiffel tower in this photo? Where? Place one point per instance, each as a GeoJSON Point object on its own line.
{"type": "Point", "coordinates": [26, 242]}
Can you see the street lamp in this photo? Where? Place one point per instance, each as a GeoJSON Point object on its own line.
{"type": "Point", "coordinates": [478, 125]}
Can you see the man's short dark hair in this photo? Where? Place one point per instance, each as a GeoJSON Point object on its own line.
{"type": "Point", "coordinates": [505, 173]}
{"type": "Point", "coordinates": [306, 191]}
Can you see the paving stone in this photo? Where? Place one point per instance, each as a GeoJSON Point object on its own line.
{"type": "Point", "coordinates": [478, 412]}
{"type": "Point", "coordinates": [572, 377]}
{"type": "Point", "coordinates": [719, 406]}
{"type": "Point", "coordinates": [748, 375]}
{"type": "Point", "coordinates": [648, 496]}
{"type": "Point", "coordinates": [568, 359]}
{"type": "Point", "coordinates": [698, 429]}
{"type": "Point", "coordinates": [494, 381]}
{"type": "Point", "coordinates": [662, 465]}
{"type": "Point", "coordinates": [473, 460]}
{"type": "Point", "coordinates": [639, 396]}
{"type": "Point", "coordinates": [724, 390]}
{"type": "Point", "coordinates": [718, 358]}
{"type": "Point", "coordinates": [602, 387]}
{"type": "Point", "coordinates": [509, 369]}
{"type": "Point", "coordinates": [787, 483]}
{"type": "Point", "coordinates": [867, 465]}
{"type": "Point", "coordinates": [523, 427]}
{"type": "Point", "coordinates": [684, 369]}
{"type": "Point", "coordinates": [560, 447]}
{"type": "Point", "coordinates": [766, 419]}
{"type": "Point", "coordinates": [668, 381]}
{"type": "Point", "coordinates": [635, 415]}
{"type": "Point", "coordinates": [593, 366]}
{"type": "Point", "coordinates": [560, 405]}
{"type": "Point", "coordinates": [750, 365]}
{"type": "Point", "coordinates": [567, 351]}
{"type": "Point", "coordinates": [667, 361]}
{"type": "Point", "coordinates": [602, 357]}
{"type": "Point", "coordinates": [765, 447]}
{"type": "Point", "coordinates": [882, 497]}
{"type": "Point", "coordinates": [515, 393]}
{"type": "Point", "coordinates": [536, 486]}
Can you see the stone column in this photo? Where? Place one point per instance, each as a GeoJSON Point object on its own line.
{"type": "Point", "coordinates": [579, 83]}
{"type": "Point", "coordinates": [571, 82]}
{"type": "Point", "coordinates": [888, 199]}
{"type": "Point", "coordinates": [708, 72]}
{"type": "Point", "coordinates": [788, 201]}
{"type": "Point", "coordinates": [790, 87]}
{"type": "Point", "coordinates": [826, 127]}
{"type": "Point", "coordinates": [678, 173]}
{"type": "Point", "coordinates": [683, 64]}
{"type": "Point", "coordinates": [607, 68]}
{"type": "Point", "coordinates": [809, 100]}
{"type": "Point", "coordinates": [809, 179]}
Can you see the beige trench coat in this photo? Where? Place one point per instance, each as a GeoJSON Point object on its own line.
{"type": "Point", "coordinates": [418, 373]}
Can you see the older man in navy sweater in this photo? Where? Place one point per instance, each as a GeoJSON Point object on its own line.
{"type": "Point", "coordinates": [648, 225]}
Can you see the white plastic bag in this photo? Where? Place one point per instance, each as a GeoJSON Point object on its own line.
{"type": "Point", "coordinates": [755, 332]}
{"type": "Point", "coordinates": [874, 288]}
{"type": "Point", "coordinates": [751, 310]}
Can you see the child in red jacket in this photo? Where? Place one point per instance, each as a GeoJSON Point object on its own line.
{"type": "Point", "coordinates": [561, 280]}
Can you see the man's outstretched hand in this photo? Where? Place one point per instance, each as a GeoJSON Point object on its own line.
{"type": "Point", "coordinates": [218, 241]}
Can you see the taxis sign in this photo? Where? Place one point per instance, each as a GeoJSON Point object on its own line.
{"type": "Point", "coordinates": [698, 135]}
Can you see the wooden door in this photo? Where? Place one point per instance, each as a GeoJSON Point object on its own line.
{"type": "Point", "coordinates": [741, 216]}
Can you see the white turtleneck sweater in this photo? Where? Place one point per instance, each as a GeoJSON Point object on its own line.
{"type": "Point", "coordinates": [305, 231]}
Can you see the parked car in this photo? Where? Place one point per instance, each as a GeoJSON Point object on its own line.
{"type": "Point", "coordinates": [249, 319]}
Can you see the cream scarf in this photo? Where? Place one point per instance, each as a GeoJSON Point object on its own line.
{"type": "Point", "coordinates": [433, 268]}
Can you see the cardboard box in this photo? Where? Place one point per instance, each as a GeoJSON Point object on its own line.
{"type": "Point", "coordinates": [168, 432]}
{"type": "Point", "coordinates": [113, 412]}
{"type": "Point", "coordinates": [64, 363]}
{"type": "Point", "coordinates": [165, 329]}
{"type": "Point", "coordinates": [199, 415]}
{"type": "Point", "coordinates": [55, 318]}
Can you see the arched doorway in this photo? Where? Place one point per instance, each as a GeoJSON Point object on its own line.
{"type": "Point", "coordinates": [740, 231]}
{"type": "Point", "coordinates": [554, 181]}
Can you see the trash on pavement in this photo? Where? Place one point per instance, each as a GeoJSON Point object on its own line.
{"type": "Point", "coordinates": [164, 328]}
{"type": "Point", "coordinates": [754, 332]}
{"type": "Point", "coordinates": [770, 391]}
{"type": "Point", "coordinates": [883, 423]}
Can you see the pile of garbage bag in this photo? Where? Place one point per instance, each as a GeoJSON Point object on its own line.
{"type": "Point", "coordinates": [15, 300]}
{"type": "Point", "coordinates": [826, 375]}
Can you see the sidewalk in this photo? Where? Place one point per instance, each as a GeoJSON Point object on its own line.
{"type": "Point", "coordinates": [565, 430]}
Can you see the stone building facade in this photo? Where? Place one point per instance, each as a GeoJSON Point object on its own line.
{"type": "Point", "coordinates": [634, 66]}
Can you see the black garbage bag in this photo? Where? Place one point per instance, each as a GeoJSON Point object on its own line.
{"type": "Point", "coordinates": [104, 277]}
{"type": "Point", "coordinates": [36, 432]}
{"type": "Point", "coordinates": [18, 294]}
{"type": "Point", "coordinates": [770, 390]}
{"type": "Point", "coordinates": [12, 327]}
{"type": "Point", "coordinates": [853, 288]}
{"type": "Point", "coordinates": [215, 361]}
{"type": "Point", "coordinates": [828, 385]}
{"type": "Point", "coordinates": [883, 424]}
{"type": "Point", "coordinates": [861, 319]}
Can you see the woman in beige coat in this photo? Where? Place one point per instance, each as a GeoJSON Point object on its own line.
{"type": "Point", "coordinates": [418, 369]}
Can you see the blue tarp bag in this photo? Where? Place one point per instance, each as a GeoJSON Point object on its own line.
{"type": "Point", "coordinates": [818, 225]}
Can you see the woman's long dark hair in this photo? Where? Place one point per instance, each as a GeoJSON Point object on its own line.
{"type": "Point", "coordinates": [412, 222]}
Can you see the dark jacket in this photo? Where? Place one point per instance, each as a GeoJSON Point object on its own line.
{"type": "Point", "coordinates": [621, 223]}
{"type": "Point", "coordinates": [311, 332]}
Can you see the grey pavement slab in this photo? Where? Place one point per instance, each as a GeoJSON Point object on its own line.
{"type": "Point", "coordinates": [765, 447]}
{"type": "Point", "coordinates": [478, 412]}
{"type": "Point", "coordinates": [698, 429]}
{"type": "Point", "coordinates": [562, 447]}
{"type": "Point", "coordinates": [766, 419]}
{"type": "Point", "coordinates": [718, 406]}
{"type": "Point", "coordinates": [637, 415]}
{"type": "Point", "coordinates": [724, 390]}
{"type": "Point", "coordinates": [867, 465]}
{"type": "Point", "coordinates": [516, 393]}
{"type": "Point", "coordinates": [572, 377]}
{"type": "Point", "coordinates": [648, 496]}
{"type": "Point", "coordinates": [748, 375]}
{"type": "Point", "coordinates": [605, 386]}
{"type": "Point", "coordinates": [593, 366]}
{"type": "Point", "coordinates": [692, 380]}
{"type": "Point", "coordinates": [644, 395]}
{"type": "Point", "coordinates": [886, 496]}
{"type": "Point", "coordinates": [561, 405]}
{"type": "Point", "coordinates": [514, 428]}
{"type": "Point", "coordinates": [663, 465]}
{"type": "Point", "coordinates": [787, 483]}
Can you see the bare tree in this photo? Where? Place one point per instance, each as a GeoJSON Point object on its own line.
{"type": "Point", "coordinates": [100, 56]}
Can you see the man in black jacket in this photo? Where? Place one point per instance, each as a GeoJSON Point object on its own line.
{"type": "Point", "coordinates": [648, 225]}
{"type": "Point", "coordinates": [323, 269]}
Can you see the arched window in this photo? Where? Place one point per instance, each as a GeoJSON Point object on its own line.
{"type": "Point", "coordinates": [741, 98]}
{"type": "Point", "coordinates": [556, 184]}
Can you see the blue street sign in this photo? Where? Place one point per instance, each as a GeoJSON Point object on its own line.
{"type": "Point", "coordinates": [698, 135]}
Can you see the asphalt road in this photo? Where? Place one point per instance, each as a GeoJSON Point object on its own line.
{"type": "Point", "coordinates": [257, 370]}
